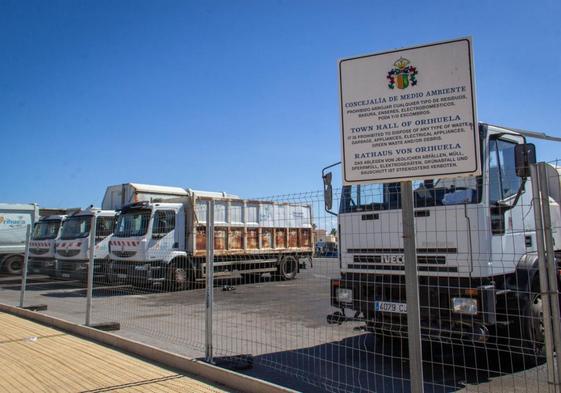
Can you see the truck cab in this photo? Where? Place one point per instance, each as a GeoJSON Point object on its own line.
{"type": "Point", "coordinates": [476, 251]}
{"type": "Point", "coordinates": [147, 237]}
{"type": "Point", "coordinates": [42, 245]}
{"type": "Point", "coordinates": [73, 246]}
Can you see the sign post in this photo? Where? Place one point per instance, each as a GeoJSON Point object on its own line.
{"type": "Point", "coordinates": [411, 288]}
{"type": "Point", "coordinates": [409, 114]}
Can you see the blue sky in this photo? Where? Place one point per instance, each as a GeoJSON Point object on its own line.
{"type": "Point", "coordinates": [236, 96]}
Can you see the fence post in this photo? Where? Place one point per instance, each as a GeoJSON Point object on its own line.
{"type": "Point", "coordinates": [89, 289]}
{"type": "Point", "coordinates": [552, 270]}
{"type": "Point", "coordinates": [209, 293]}
{"type": "Point", "coordinates": [544, 284]}
{"type": "Point", "coordinates": [411, 288]}
{"type": "Point", "coordinates": [24, 267]}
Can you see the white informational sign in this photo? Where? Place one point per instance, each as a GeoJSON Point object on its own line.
{"type": "Point", "coordinates": [409, 114]}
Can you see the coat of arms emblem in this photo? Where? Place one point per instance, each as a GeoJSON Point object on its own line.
{"type": "Point", "coordinates": [403, 75]}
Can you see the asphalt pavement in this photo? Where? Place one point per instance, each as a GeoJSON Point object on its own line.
{"type": "Point", "coordinates": [277, 331]}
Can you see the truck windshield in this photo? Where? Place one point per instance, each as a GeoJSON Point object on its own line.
{"type": "Point", "coordinates": [76, 227]}
{"type": "Point", "coordinates": [132, 223]}
{"type": "Point", "coordinates": [47, 229]}
{"type": "Point", "coordinates": [427, 193]}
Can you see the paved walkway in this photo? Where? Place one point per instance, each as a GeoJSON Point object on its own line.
{"type": "Point", "coordinates": [36, 358]}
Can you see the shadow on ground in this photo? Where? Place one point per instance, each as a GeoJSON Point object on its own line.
{"type": "Point", "coordinates": [363, 364]}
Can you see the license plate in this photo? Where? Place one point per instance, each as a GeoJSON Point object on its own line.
{"type": "Point", "coordinates": [121, 276]}
{"type": "Point", "coordinates": [65, 275]}
{"type": "Point", "coordinates": [141, 267]}
{"type": "Point", "coordinates": [399, 308]}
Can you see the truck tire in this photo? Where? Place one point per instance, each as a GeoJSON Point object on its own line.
{"type": "Point", "coordinates": [179, 277]}
{"type": "Point", "coordinates": [287, 268]}
{"type": "Point", "coordinates": [535, 322]}
{"type": "Point", "coordinates": [531, 328]}
{"type": "Point", "coordinates": [13, 264]}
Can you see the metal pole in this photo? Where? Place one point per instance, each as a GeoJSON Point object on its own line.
{"type": "Point", "coordinates": [553, 293]}
{"type": "Point", "coordinates": [89, 290]}
{"type": "Point", "coordinates": [544, 287]}
{"type": "Point", "coordinates": [209, 293]}
{"type": "Point", "coordinates": [24, 267]}
{"type": "Point", "coordinates": [412, 288]}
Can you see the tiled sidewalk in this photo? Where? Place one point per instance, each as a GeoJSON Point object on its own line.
{"type": "Point", "coordinates": [35, 358]}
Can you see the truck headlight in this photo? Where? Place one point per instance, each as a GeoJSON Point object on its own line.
{"type": "Point", "coordinates": [344, 295]}
{"type": "Point", "coordinates": [464, 305]}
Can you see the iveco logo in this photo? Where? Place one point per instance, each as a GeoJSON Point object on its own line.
{"type": "Point", "coordinates": [392, 259]}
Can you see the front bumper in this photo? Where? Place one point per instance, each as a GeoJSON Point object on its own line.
{"type": "Point", "coordinates": [140, 273]}
{"type": "Point", "coordinates": [42, 266]}
{"type": "Point", "coordinates": [439, 322]}
{"type": "Point", "coordinates": [78, 270]}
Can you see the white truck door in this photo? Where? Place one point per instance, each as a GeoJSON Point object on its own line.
{"type": "Point", "coordinates": [162, 240]}
{"type": "Point", "coordinates": [510, 223]}
{"type": "Point", "coordinates": [103, 230]}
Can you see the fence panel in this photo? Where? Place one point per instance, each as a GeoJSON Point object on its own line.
{"type": "Point", "coordinates": [480, 301]}
{"type": "Point", "coordinates": [315, 300]}
{"type": "Point", "coordinates": [12, 244]}
{"type": "Point", "coordinates": [146, 289]}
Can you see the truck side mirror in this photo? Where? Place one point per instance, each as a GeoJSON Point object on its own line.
{"type": "Point", "coordinates": [524, 155]}
{"type": "Point", "coordinates": [327, 191]}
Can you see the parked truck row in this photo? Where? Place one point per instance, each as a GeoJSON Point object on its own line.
{"type": "Point", "coordinates": [14, 220]}
{"type": "Point", "coordinates": [156, 236]}
{"type": "Point", "coordinates": [478, 278]}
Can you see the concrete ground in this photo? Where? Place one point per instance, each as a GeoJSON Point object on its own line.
{"type": "Point", "coordinates": [35, 358]}
{"type": "Point", "coordinates": [277, 331]}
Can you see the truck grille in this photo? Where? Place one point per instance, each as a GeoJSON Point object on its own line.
{"type": "Point", "coordinates": [421, 259]}
{"type": "Point", "coordinates": [124, 254]}
{"type": "Point", "coordinates": [68, 253]}
{"type": "Point", "coordinates": [377, 262]}
{"type": "Point", "coordinates": [38, 251]}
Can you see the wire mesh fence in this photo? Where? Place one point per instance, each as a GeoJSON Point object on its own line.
{"type": "Point", "coordinates": [314, 299]}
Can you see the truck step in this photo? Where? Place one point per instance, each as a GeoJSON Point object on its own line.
{"type": "Point", "coordinates": [242, 262]}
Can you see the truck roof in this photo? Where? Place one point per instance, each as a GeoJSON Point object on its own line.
{"type": "Point", "coordinates": [526, 133]}
{"type": "Point", "coordinates": [53, 217]}
{"type": "Point", "coordinates": [212, 194]}
{"type": "Point", "coordinates": [90, 210]}
{"type": "Point", "coordinates": [18, 206]}
{"type": "Point", "coordinates": [156, 189]}
{"type": "Point", "coordinates": [57, 211]}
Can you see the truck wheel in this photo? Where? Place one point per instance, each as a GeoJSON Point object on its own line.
{"type": "Point", "coordinates": [14, 264]}
{"type": "Point", "coordinates": [536, 329]}
{"type": "Point", "coordinates": [287, 268]}
{"type": "Point", "coordinates": [176, 278]}
{"type": "Point", "coordinates": [531, 328]}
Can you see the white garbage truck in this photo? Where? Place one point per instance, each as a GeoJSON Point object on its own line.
{"type": "Point", "coordinates": [42, 245]}
{"type": "Point", "coordinates": [73, 245]}
{"type": "Point", "coordinates": [164, 243]}
{"type": "Point", "coordinates": [476, 250]}
{"type": "Point", "coordinates": [14, 219]}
